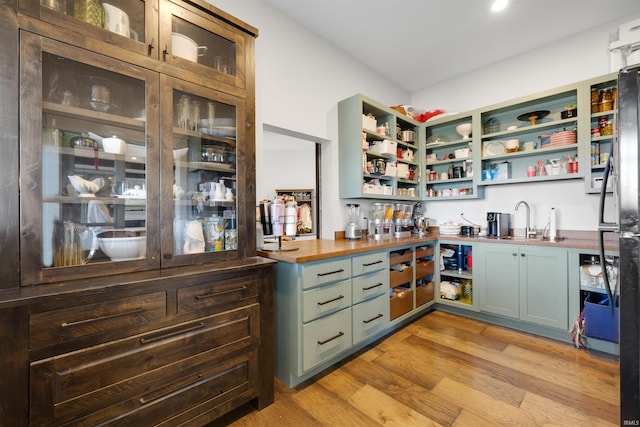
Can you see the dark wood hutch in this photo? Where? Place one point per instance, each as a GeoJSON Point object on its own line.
{"type": "Point", "coordinates": [130, 289]}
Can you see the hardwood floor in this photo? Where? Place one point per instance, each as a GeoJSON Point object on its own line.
{"type": "Point", "coordinates": [446, 370]}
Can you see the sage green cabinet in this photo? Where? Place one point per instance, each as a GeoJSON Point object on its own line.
{"type": "Point", "coordinates": [328, 309]}
{"type": "Point", "coordinates": [528, 283]}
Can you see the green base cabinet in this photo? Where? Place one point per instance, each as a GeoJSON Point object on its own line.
{"type": "Point", "coordinates": [523, 282]}
{"type": "Point", "coordinates": [326, 310]}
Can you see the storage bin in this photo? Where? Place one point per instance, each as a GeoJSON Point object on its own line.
{"type": "Point", "coordinates": [599, 321]}
{"type": "Point", "coordinates": [369, 123]}
{"type": "Point", "coordinates": [385, 147]}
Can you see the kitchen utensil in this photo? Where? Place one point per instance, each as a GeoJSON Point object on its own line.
{"type": "Point", "coordinates": [533, 116]}
{"type": "Point", "coordinates": [116, 20]}
{"type": "Point", "coordinates": [352, 229]}
{"type": "Point", "coordinates": [186, 48]}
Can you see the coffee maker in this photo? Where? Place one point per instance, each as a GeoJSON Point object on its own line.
{"type": "Point", "coordinates": [498, 224]}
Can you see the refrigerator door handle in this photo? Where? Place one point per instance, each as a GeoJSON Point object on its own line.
{"type": "Point", "coordinates": [606, 227]}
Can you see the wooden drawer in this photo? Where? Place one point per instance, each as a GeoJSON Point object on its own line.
{"type": "Point", "coordinates": [149, 377]}
{"type": "Point", "coordinates": [424, 294]}
{"type": "Point", "coordinates": [325, 300]}
{"type": "Point", "coordinates": [368, 263]}
{"type": "Point", "coordinates": [97, 322]}
{"type": "Point", "coordinates": [400, 305]}
{"type": "Point", "coordinates": [424, 268]}
{"type": "Point", "coordinates": [325, 272]}
{"type": "Point", "coordinates": [397, 278]}
{"type": "Point", "coordinates": [370, 317]}
{"type": "Point", "coordinates": [325, 338]}
{"type": "Point", "coordinates": [370, 285]}
{"type": "Point", "coordinates": [219, 295]}
{"type": "Point", "coordinates": [424, 251]}
{"type": "Point", "coordinates": [402, 255]}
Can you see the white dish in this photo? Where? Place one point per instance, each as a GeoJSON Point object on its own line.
{"type": "Point", "coordinates": [493, 148]}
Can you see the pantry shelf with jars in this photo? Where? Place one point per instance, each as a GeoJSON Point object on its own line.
{"type": "Point", "coordinates": [386, 145]}
{"type": "Point", "coordinates": [450, 157]}
{"type": "Point", "coordinates": [602, 107]}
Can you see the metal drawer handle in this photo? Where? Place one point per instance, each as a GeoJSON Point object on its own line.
{"type": "Point", "coordinates": [214, 294]}
{"type": "Point", "coordinates": [372, 263]}
{"type": "Point", "coordinates": [339, 297]}
{"type": "Point", "coordinates": [331, 339]}
{"type": "Point", "coordinates": [330, 272]}
{"type": "Point", "coordinates": [144, 401]}
{"type": "Point", "coordinates": [373, 318]}
{"type": "Point", "coordinates": [100, 319]}
{"type": "Point", "coordinates": [368, 288]}
{"type": "Point", "coordinates": [171, 334]}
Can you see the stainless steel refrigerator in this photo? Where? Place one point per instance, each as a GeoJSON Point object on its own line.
{"type": "Point", "coordinates": [622, 168]}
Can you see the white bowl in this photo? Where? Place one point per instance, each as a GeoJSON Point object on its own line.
{"type": "Point", "coordinates": [123, 245]}
{"type": "Point", "coordinates": [464, 130]}
{"type": "Point", "coordinates": [84, 187]}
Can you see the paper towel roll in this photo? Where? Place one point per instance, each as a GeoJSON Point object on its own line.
{"type": "Point", "coordinates": [552, 224]}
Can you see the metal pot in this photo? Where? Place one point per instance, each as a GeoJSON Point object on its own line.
{"type": "Point", "coordinates": [186, 48]}
{"type": "Point", "coordinates": [408, 136]}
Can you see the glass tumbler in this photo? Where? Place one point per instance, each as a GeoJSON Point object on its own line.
{"type": "Point", "coordinates": [183, 111]}
{"type": "Point", "coordinates": [211, 116]}
{"type": "Point", "coordinates": [194, 118]}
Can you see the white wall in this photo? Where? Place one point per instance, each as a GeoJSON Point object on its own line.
{"type": "Point", "coordinates": [300, 79]}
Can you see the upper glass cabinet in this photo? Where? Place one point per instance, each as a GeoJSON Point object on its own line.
{"type": "Point", "coordinates": [200, 133]}
{"type": "Point", "coordinates": [190, 39]}
{"type": "Point", "coordinates": [88, 131]}
{"type": "Point", "coordinates": [128, 24]}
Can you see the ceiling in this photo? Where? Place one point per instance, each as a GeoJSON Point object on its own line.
{"type": "Point", "coordinates": [418, 43]}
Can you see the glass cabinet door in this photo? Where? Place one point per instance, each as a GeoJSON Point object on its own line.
{"type": "Point", "coordinates": [128, 24]}
{"type": "Point", "coordinates": [200, 150]}
{"type": "Point", "coordinates": [88, 179]}
{"type": "Point", "coordinates": [191, 40]}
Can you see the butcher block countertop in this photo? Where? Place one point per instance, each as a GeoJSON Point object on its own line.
{"type": "Point", "coordinates": [319, 249]}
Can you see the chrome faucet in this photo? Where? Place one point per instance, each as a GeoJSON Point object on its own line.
{"type": "Point", "coordinates": [528, 231]}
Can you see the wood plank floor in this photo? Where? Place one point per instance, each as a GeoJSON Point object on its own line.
{"type": "Point", "coordinates": [446, 370]}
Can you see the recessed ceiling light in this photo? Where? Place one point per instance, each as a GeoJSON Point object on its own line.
{"type": "Point", "coordinates": [498, 5]}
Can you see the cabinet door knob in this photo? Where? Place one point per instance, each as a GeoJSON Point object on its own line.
{"type": "Point", "coordinates": [522, 254]}
{"type": "Point", "coordinates": [151, 46]}
{"type": "Point", "coordinates": [514, 254]}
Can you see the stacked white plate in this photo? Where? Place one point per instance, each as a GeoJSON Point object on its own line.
{"type": "Point", "coordinates": [450, 228]}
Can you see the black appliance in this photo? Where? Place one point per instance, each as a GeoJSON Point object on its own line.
{"type": "Point", "coordinates": [498, 224]}
{"type": "Point", "coordinates": [622, 168]}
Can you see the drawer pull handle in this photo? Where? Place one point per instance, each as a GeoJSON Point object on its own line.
{"type": "Point", "coordinates": [339, 297]}
{"type": "Point", "coordinates": [338, 335]}
{"type": "Point", "coordinates": [330, 272]}
{"type": "Point", "coordinates": [103, 318]}
{"type": "Point", "coordinates": [368, 288]}
{"type": "Point", "coordinates": [373, 318]}
{"type": "Point", "coordinates": [372, 263]}
{"type": "Point", "coordinates": [171, 333]}
{"type": "Point", "coordinates": [215, 294]}
{"type": "Point", "coordinates": [145, 401]}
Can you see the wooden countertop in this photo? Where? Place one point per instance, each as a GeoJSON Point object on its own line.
{"type": "Point", "coordinates": [315, 250]}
